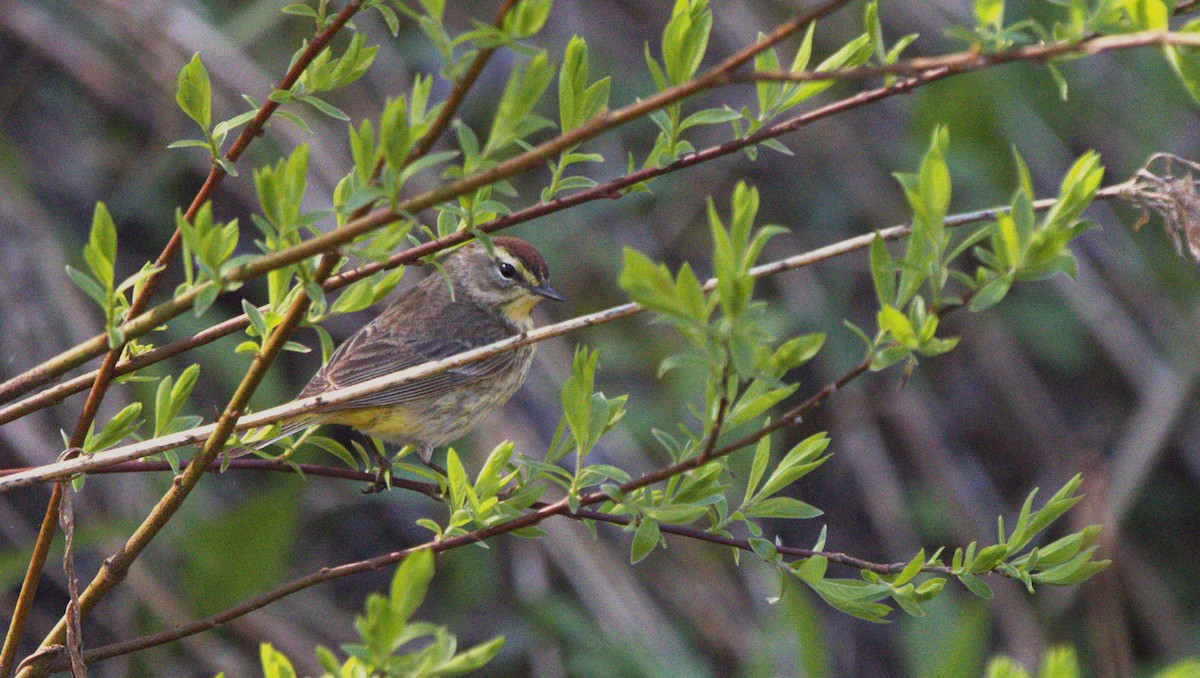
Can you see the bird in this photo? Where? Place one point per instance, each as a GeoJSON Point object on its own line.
{"type": "Point", "coordinates": [486, 293]}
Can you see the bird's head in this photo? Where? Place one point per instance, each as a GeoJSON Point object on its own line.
{"type": "Point", "coordinates": [509, 280]}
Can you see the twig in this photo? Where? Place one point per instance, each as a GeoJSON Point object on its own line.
{"type": "Point", "coordinates": [719, 420]}
{"type": "Point", "coordinates": [540, 512]}
{"type": "Point", "coordinates": [37, 376]}
{"type": "Point", "coordinates": [974, 60]}
{"type": "Point", "coordinates": [298, 407]}
{"type": "Point", "coordinates": [115, 567]}
{"type": "Point", "coordinates": [331, 240]}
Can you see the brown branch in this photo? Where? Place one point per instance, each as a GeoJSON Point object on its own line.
{"type": "Point", "coordinates": [331, 240]}
{"type": "Point", "coordinates": [974, 60]}
{"type": "Point", "coordinates": [541, 512]}
{"type": "Point", "coordinates": [115, 567]}
{"type": "Point", "coordinates": [193, 436]}
{"type": "Point", "coordinates": [719, 420]}
{"type": "Point", "coordinates": [141, 299]}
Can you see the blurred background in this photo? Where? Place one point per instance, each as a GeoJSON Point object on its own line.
{"type": "Point", "coordinates": [1094, 375]}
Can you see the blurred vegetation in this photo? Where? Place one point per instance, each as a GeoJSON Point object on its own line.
{"type": "Point", "coordinates": [1091, 375]}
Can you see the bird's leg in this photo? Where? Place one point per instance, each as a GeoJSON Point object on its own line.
{"type": "Point", "coordinates": [426, 456]}
{"type": "Point", "coordinates": [383, 472]}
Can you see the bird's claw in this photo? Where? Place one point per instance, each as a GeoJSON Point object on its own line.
{"type": "Point", "coordinates": [383, 480]}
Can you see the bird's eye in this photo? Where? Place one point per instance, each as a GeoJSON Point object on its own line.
{"type": "Point", "coordinates": [507, 270]}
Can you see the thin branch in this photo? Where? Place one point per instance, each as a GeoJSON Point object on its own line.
{"type": "Point", "coordinates": [298, 407]}
{"type": "Point", "coordinates": [974, 60]}
{"type": "Point", "coordinates": [141, 299]}
{"type": "Point", "coordinates": [48, 370]}
{"type": "Point", "coordinates": [719, 420]}
{"type": "Point", "coordinates": [114, 568]}
{"type": "Point", "coordinates": [540, 512]}
{"type": "Point", "coordinates": [331, 240]}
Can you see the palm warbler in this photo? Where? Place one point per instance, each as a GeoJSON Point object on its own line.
{"type": "Point", "coordinates": [482, 298]}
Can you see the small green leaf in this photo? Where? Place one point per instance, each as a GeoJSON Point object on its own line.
{"type": "Point", "coordinates": [410, 584]}
{"type": "Point", "coordinates": [912, 569]}
{"type": "Point", "coordinates": [883, 272]}
{"type": "Point", "coordinates": [194, 92]}
{"type": "Point", "coordinates": [990, 294]}
{"type": "Point", "coordinates": [645, 538]}
{"type": "Point", "coordinates": [976, 585]}
{"type": "Point", "coordinates": [782, 507]}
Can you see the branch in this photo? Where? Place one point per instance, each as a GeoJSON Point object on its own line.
{"type": "Point", "coordinates": [973, 60]}
{"type": "Point", "coordinates": [141, 298]}
{"type": "Point", "coordinates": [116, 566]}
{"type": "Point", "coordinates": [298, 407]}
{"type": "Point", "coordinates": [541, 512]}
{"type": "Point", "coordinates": [354, 228]}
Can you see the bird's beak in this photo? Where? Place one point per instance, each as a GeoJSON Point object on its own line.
{"type": "Point", "coordinates": [545, 290]}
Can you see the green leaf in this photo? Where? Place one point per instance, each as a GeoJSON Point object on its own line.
{"type": "Point", "coordinates": [762, 455]}
{"type": "Point", "coordinates": [101, 250]}
{"type": "Point", "coordinates": [976, 585]}
{"type": "Point", "coordinates": [895, 323]}
{"type": "Point", "coordinates": [685, 39]}
{"type": "Point", "coordinates": [457, 477]}
{"type": "Point", "coordinates": [324, 107]}
{"type": "Point", "coordinates": [800, 460]}
{"type": "Point", "coordinates": [710, 116]}
{"type": "Point", "coordinates": [782, 507]}
{"type": "Point", "coordinates": [988, 558]}
{"type": "Point", "coordinates": [524, 89]}
{"type": "Point", "coordinates": [395, 134]}
{"type": "Point", "coordinates": [193, 92]}
{"type": "Point", "coordinates": [90, 287]}
{"type": "Point", "coordinates": [470, 660]}
{"type": "Point", "coordinates": [796, 351]}
{"type": "Point", "coordinates": [645, 538]}
{"type": "Point", "coordinates": [577, 396]}
{"type": "Point", "coordinates": [990, 294]}
{"type": "Point", "coordinates": [410, 583]}
{"type": "Point", "coordinates": [275, 664]}
{"type": "Point", "coordinates": [747, 409]}
{"type": "Point", "coordinates": [1185, 61]}
{"type": "Point", "coordinates": [257, 321]}
{"type": "Point", "coordinates": [205, 299]}
{"type": "Point", "coordinates": [527, 18]}
{"type": "Point", "coordinates": [989, 14]}
{"type": "Point", "coordinates": [123, 424]}
{"type": "Point", "coordinates": [236, 121]}
{"type": "Point", "coordinates": [883, 273]}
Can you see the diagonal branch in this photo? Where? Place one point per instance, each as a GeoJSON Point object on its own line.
{"type": "Point", "coordinates": [354, 228]}
{"type": "Point", "coordinates": [541, 512]}
{"type": "Point", "coordinates": [141, 299]}
{"type": "Point", "coordinates": [300, 407]}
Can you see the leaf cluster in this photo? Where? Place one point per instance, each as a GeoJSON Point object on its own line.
{"type": "Point", "coordinates": [392, 644]}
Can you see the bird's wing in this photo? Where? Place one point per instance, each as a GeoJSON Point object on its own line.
{"type": "Point", "coordinates": [374, 352]}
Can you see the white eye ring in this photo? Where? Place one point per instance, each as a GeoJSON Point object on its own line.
{"type": "Point", "coordinates": [506, 270]}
